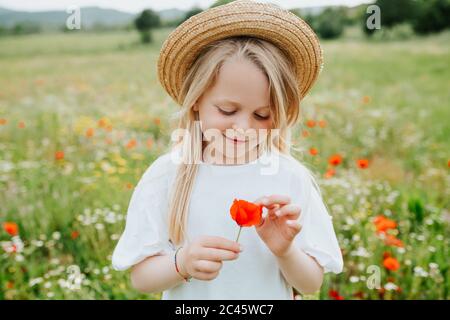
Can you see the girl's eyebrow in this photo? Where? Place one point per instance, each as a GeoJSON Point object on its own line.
{"type": "Point", "coordinates": [237, 104]}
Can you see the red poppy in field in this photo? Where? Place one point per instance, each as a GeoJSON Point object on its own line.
{"type": "Point", "coordinates": [74, 234]}
{"type": "Point", "coordinates": [391, 264]}
{"type": "Point", "coordinates": [59, 155]}
{"type": "Point", "coordinates": [330, 173]}
{"type": "Point", "coordinates": [311, 123]}
{"type": "Point", "coordinates": [11, 227]}
{"type": "Point", "coordinates": [2, 121]}
{"type": "Point", "coordinates": [89, 132]}
{"type": "Point", "coordinates": [322, 123]}
{"type": "Point", "coordinates": [131, 144]}
{"type": "Point", "coordinates": [149, 143]}
{"type": "Point", "coordinates": [21, 125]}
{"type": "Point", "coordinates": [391, 240]}
{"type": "Point", "coordinates": [448, 163]}
{"type": "Point", "coordinates": [129, 185]}
{"type": "Point", "coordinates": [335, 159]}
{"type": "Point", "coordinates": [305, 133]}
{"type": "Point", "coordinates": [102, 123]}
{"type": "Point", "coordinates": [157, 121]}
{"type": "Point", "coordinates": [383, 224]}
{"type": "Point", "coordinates": [366, 99]}
{"type": "Point", "coordinates": [362, 163]}
{"type": "Point", "coordinates": [313, 151]}
{"type": "Point", "coordinates": [335, 295]}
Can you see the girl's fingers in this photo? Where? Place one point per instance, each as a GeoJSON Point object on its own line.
{"type": "Point", "coordinates": [295, 225]}
{"type": "Point", "coordinates": [291, 211]}
{"type": "Point", "coordinates": [270, 201]}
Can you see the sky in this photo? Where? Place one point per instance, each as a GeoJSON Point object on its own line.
{"type": "Point", "coordinates": [135, 6]}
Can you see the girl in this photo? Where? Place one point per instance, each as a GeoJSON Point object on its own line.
{"type": "Point", "coordinates": [239, 72]}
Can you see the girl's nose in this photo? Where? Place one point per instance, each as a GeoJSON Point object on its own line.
{"type": "Point", "coordinates": [242, 127]}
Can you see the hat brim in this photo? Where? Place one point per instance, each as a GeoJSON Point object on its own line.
{"type": "Point", "coordinates": [240, 18]}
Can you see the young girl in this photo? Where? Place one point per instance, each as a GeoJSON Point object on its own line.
{"type": "Point", "coordinates": [239, 72]}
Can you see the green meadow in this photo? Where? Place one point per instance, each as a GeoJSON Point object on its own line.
{"type": "Point", "coordinates": [82, 115]}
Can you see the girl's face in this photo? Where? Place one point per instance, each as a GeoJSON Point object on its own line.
{"type": "Point", "coordinates": [237, 105]}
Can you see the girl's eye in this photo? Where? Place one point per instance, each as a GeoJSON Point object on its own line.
{"type": "Point", "coordinates": [227, 113]}
{"type": "Point", "coordinates": [259, 117]}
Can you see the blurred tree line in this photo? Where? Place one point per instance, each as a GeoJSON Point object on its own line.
{"type": "Point", "coordinates": [396, 16]}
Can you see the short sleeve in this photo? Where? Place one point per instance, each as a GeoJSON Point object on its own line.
{"type": "Point", "coordinates": [317, 237]}
{"type": "Point", "coordinates": [145, 232]}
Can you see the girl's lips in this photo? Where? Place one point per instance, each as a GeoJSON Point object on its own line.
{"type": "Point", "coordinates": [236, 141]}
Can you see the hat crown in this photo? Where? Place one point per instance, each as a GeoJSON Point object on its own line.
{"type": "Point", "coordinates": [266, 21]}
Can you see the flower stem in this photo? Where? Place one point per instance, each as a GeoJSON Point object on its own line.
{"type": "Point", "coordinates": [240, 228]}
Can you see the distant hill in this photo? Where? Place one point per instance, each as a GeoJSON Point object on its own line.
{"type": "Point", "coordinates": [90, 16]}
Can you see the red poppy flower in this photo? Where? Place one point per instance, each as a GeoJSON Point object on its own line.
{"type": "Point", "coordinates": [74, 234]}
{"type": "Point", "coordinates": [330, 173]}
{"type": "Point", "coordinates": [363, 163]}
{"type": "Point", "coordinates": [391, 264]}
{"type": "Point", "coordinates": [313, 151]}
{"type": "Point", "coordinates": [89, 132]}
{"type": "Point", "coordinates": [311, 123]}
{"type": "Point", "coordinates": [246, 214]}
{"type": "Point", "coordinates": [11, 227]}
{"type": "Point", "coordinates": [59, 155]}
{"type": "Point", "coordinates": [383, 224]}
{"type": "Point", "coordinates": [335, 295]}
{"type": "Point", "coordinates": [335, 159]}
{"type": "Point", "coordinates": [393, 241]}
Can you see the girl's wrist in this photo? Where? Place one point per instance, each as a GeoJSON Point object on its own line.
{"type": "Point", "coordinates": [180, 265]}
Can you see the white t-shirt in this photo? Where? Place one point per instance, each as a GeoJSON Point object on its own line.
{"type": "Point", "coordinates": [255, 274]}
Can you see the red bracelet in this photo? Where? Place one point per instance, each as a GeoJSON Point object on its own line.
{"type": "Point", "coordinates": [187, 279]}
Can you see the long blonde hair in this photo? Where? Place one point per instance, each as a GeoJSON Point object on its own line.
{"type": "Point", "coordinates": [284, 105]}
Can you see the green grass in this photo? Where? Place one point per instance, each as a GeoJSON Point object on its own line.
{"type": "Point", "coordinates": [384, 101]}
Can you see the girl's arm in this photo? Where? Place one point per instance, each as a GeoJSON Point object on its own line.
{"type": "Point", "coordinates": [155, 274]}
{"type": "Point", "coordinates": [202, 259]}
{"type": "Point", "coordinates": [301, 270]}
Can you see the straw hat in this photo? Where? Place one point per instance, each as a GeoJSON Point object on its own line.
{"type": "Point", "coordinates": [240, 18]}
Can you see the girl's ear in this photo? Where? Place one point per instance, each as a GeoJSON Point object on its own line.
{"type": "Point", "coordinates": [195, 108]}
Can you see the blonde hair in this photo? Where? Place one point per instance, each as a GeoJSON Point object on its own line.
{"type": "Point", "coordinates": [284, 104]}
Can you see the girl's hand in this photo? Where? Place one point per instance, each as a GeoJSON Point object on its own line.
{"type": "Point", "coordinates": [202, 258]}
{"type": "Point", "coordinates": [280, 226]}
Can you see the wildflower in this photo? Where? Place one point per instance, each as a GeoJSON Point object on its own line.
{"type": "Point", "coordinates": [131, 144]}
{"type": "Point", "coordinates": [391, 240]}
{"type": "Point", "coordinates": [335, 295]}
{"type": "Point", "coordinates": [89, 132]}
{"type": "Point", "coordinates": [362, 163]}
{"type": "Point", "coordinates": [313, 151]}
{"type": "Point", "coordinates": [311, 123]}
{"type": "Point", "coordinates": [322, 123]}
{"type": "Point", "coordinates": [391, 264]}
{"type": "Point", "coordinates": [246, 214]}
{"type": "Point", "coordinates": [330, 173]}
{"type": "Point", "coordinates": [383, 224]}
{"type": "Point", "coordinates": [74, 234]}
{"type": "Point", "coordinates": [11, 227]}
{"type": "Point", "coordinates": [59, 155]}
{"type": "Point", "coordinates": [335, 159]}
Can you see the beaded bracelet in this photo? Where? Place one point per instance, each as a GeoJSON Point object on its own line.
{"type": "Point", "coordinates": [176, 266]}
